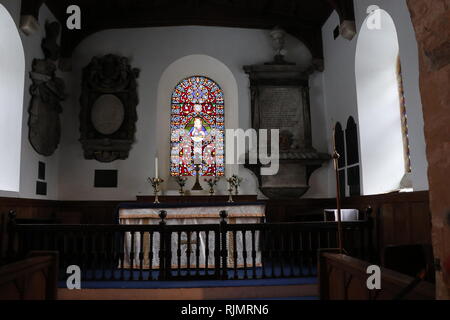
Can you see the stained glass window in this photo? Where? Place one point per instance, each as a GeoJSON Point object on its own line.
{"type": "Point", "coordinates": [197, 128]}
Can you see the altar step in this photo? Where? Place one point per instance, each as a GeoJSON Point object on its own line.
{"type": "Point", "coordinates": [269, 292]}
{"type": "Point", "coordinates": [280, 288]}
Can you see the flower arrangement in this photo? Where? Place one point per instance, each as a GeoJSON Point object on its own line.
{"type": "Point", "coordinates": [181, 181]}
{"type": "Point", "coordinates": [235, 182]}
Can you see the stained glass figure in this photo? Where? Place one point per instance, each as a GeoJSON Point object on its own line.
{"type": "Point", "coordinates": [197, 128]}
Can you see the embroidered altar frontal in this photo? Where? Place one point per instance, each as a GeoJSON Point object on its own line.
{"type": "Point", "coordinates": [191, 243]}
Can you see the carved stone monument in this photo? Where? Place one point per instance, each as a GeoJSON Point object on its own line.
{"type": "Point", "coordinates": [280, 100]}
{"type": "Point", "coordinates": [108, 108]}
{"type": "Point", "coordinates": [47, 91]}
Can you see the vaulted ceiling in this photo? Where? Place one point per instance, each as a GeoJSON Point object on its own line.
{"type": "Point", "coordinates": [301, 18]}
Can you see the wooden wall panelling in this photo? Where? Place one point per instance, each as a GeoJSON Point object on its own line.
{"type": "Point", "coordinates": [422, 222]}
{"type": "Point", "coordinates": [402, 222]}
{"type": "Point", "coordinates": [88, 212]}
{"type": "Point", "coordinates": [401, 218]}
{"type": "Point", "coordinates": [388, 225]}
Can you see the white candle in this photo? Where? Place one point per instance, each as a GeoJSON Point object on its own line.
{"type": "Point", "coordinates": [156, 168]}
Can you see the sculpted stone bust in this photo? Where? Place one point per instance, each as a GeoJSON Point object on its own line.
{"type": "Point", "coordinates": [50, 45]}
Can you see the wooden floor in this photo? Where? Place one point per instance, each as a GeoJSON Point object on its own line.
{"type": "Point", "coordinates": [222, 293]}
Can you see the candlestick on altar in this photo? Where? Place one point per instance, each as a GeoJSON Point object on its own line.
{"type": "Point", "coordinates": [230, 190]}
{"type": "Point", "coordinates": [156, 168]}
{"type": "Point", "coordinates": [155, 184]}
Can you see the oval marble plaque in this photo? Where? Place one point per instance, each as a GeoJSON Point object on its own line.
{"type": "Point", "coordinates": [107, 114]}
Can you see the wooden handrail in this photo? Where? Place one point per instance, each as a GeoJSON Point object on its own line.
{"type": "Point", "coordinates": [147, 227]}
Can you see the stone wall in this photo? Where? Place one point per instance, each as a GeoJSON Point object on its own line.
{"type": "Point", "coordinates": [431, 21]}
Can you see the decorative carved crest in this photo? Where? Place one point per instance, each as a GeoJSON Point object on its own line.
{"type": "Point", "coordinates": [47, 91]}
{"type": "Point", "coordinates": [108, 108]}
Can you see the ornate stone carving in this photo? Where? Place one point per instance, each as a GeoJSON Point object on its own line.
{"type": "Point", "coordinates": [47, 91]}
{"type": "Point", "coordinates": [108, 108]}
{"type": "Point", "coordinates": [280, 100]}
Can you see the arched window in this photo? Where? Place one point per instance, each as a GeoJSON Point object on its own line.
{"type": "Point", "coordinates": [381, 108]}
{"type": "Point", "coordinates": [339, 138]}
{"type": "Point", "coordinates": [348, 164]}
{"type": "Point", "coordinates": [197, 128]}
{"type": "Point", "coordinates": [352, 150]}
{"type": "Point", "coordinates": [12, 79]}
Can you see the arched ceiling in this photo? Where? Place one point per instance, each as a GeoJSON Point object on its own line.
{"type": "Point", "coordinates": [303, 19]}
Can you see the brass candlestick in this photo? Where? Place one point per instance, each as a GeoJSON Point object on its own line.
{"type": "Point", "coordinates": [230, 190]}
{"type": "Point", "coordinates": [155, 184]}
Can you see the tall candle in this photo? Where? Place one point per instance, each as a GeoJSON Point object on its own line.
{"type": "Point", "coordinates": [156, 168]}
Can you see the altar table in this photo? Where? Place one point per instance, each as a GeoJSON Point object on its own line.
{"type": "Point", "coordinates": [189, 214]}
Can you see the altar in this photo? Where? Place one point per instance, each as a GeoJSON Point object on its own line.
{"type": "Point", "coordinates": [191, 214]}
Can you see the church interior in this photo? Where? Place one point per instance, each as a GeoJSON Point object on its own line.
{"type": "Point", "coordinates": [222, 149]}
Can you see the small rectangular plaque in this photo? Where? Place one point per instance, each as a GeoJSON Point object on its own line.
{"type": "Point", "coordinates": [41, 188]}
{"type": "Point", "coordinates": [105, 179]}
{"type": "Point", "coordinates": [41, 171]}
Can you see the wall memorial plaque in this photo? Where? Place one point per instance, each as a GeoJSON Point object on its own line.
{"type": "Point", "coordinates": [279, 109]}
{"type": "Point", "coordinates": [280, 100]}
{"type": "Point", "coordinates": [47, 91]}
{"type": "Point", "coordinates": [107, 114]}
{"type": "Point", "coordinates": [108, 108]}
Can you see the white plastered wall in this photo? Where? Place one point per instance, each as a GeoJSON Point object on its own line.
{"type": "Point", "coordinates": [339, 82]}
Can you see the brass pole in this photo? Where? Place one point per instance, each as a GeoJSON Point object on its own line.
{"type": "Point", "coordinates": [197, 186]}
{"type": "Point", "coordinates": [336, 157]}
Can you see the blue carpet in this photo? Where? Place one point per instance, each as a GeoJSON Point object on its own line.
{"type": "Point", "coordinates": [284, 299]}
{"type": "Point", "coordinates": [132, 280]}
{"type": "Point", "coordinates": [190, 284]}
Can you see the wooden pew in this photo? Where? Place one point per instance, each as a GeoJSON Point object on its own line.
{"type": "Point", "coordinates": [33, 278]}
{"type": "Point", "coordinates": [344, 278]}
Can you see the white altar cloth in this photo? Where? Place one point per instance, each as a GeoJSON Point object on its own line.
{"type": "Point", "coordinates": [191, 215]}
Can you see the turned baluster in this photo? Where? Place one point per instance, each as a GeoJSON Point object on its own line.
{"type": "Point", "coordinates": [179, 253]}
{"type": "Point", "coordinates": [206, 252]}
{"type": "Point", "coordinates": [162, 246]}
{"type": "Point", "coordinates": [235, 255]}
{"type": "Point", "coordinates": [150, 257]}
{"type": "Point", "coordinates": [197, 252]}
{"type": "Point", "coordinates": [244, 252]}
{"type": "Point", "coordinates": [141, 255]}
{"type": "Point", "coordinates": [224, 247]}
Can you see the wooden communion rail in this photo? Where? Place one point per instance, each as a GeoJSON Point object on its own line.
{"type": "Point", "coordinates": [266, 250]}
